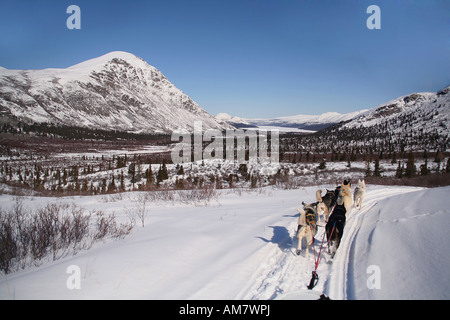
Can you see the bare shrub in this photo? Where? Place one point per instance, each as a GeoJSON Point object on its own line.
{"type": "Point", "coordinates": [107, 226]}
{"type": "Point", "coordinates": [53, 231]}
{"type": "Point", "coordinates": [201, 195]}
{"type": "Point", "coordinates": [141, 211]}
{"type": "Point", "coordinates": [8, 245]}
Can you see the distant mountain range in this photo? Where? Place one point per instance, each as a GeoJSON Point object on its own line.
{"type": "Point", "coordinates": [297, 123]}
{"type": "Point", "coordinates": [117, 91]}
{"type": "Point", "coordinates": [426, 111]}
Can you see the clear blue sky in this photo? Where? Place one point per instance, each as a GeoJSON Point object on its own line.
{"type": "Point", "coordinates": [250, 58]}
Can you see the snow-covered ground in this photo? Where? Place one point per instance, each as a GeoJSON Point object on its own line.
{"type": "Point", "coordinates": [242, 246]}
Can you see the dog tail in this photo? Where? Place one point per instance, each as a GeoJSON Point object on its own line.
{"type": "Point", "coordinates": [302, 218]}
{"type": "Point", "coordinates": [319, 195]}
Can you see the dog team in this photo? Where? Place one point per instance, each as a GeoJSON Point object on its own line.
{"type": "Point", "coordinates": [334, 206]}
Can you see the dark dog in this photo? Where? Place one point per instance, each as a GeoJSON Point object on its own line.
{"type": "Point", "coordinates": [325, 203]}
{"type": "Point", "coordinates": [329, 198]}
{"type": "Point", "coordinates": [335, 228]}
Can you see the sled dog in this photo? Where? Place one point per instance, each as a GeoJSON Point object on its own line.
{"type": "Point", "coordinates": [335, 228]}
{"type": "Point", "coordinates": [325, 203]}
{"type": "Point", "coordinates": [345, 196]}
{"type": "Point", "coordinates": [360, 192]}
{"type": "Point", "coordinates": [307, 226]}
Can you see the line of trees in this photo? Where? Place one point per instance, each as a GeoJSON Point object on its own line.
{"type": "Point", "coordinates": [79, 133]}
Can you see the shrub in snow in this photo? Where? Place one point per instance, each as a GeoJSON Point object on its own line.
{"type": "Point", "coordinates": [55, 231]}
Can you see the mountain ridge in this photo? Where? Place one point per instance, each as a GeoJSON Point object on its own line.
{"type": "Point", "coordinates": [116, 91]}
{"type": "Point", "coordinates": [431, 101]}
{"type": "Point", "coordinates": [430, 108]}
{"type": "Point", "coordinates": [300, 122]}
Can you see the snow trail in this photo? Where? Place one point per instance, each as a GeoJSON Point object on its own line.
{"type": "Point", "coordinates": [285, 272]}
{"type": "Point", "coordinates": [337, 282]}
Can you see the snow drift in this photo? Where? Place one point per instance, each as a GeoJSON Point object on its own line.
{"type": "Point", "coordinates": [406, 237]}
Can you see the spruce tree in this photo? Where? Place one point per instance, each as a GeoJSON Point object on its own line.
{"type": "Point", "coordinates": [410, 166]}
{"type": "Point", "coordinates": [132, 172]}
{"type": "Point", "coordinates": [368, 170]}
{"type": "Point", "coordinates": [322, 164]}
{"type": "Point", "coordinates": [85, 186]}
{"type": "Point", "coordinates": [424, 168]}
{"type": "Point", "coordinates": [230, 180]}
{"type": "Point", "coordinates": [162, 174]}
{"type": "Point", "coordinates": [122, 182]}
{"type": "Point", "coordinates": [376, 170]}
{"type": "Point", "coordinates": [112, 185]}
{"type": "Point", "coordinates": [149, 175]}
{"type": "Point", "coordinates": [399, 171]}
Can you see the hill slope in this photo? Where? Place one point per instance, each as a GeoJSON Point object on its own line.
{"type": "Point", "coordinates": [117, 91]}
{"type": "Point", "coordinates": [416, 122]}
{"type": "Point", "coordinates": [428, 112]}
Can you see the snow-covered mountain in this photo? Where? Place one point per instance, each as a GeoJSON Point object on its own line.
{"type": "Point", "coordinates": [415, 122]}
{"type": "Point", "coordinates": [117, 91]}
{"type": "Point", "coordinates": [237, 122]}
{"type": "Point", "coordinates": [424, 112]}
{"type": "Point", "coordinates": [427, 112]}
{"type": "Point", "coordinates": [307, 122]}
{"type": "Point", "coordinates": [301, 121]}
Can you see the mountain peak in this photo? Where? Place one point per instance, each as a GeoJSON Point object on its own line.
{"type": "Point", "coordinates": [116, 91]}
{"type": "Point", "coordinates": [104, 59]}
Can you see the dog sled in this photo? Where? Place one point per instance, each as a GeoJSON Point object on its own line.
{"type": "Point", "coordinates": [303, 295]}
{"type": "Point", "coordinates": [338, 203]}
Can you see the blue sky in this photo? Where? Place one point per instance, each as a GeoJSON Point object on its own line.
{"type": "Point", "coordinates": [249, 58]}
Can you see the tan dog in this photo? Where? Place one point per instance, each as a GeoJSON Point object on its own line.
{"type": "Point", "coordinates": [345, 196]}
{"type": "Point", "coordinates": [307, 227]}
{"type": "Point", "coordinates": [322, 208]}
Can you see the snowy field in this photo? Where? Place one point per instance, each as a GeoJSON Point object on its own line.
{"type": "Point", "coordinates": [242, 246]}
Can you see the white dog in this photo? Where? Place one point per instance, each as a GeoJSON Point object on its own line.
{"type": "Point", "coordinates": [360, 192]}
{"type": "Point", "coordinates": [307, 227]}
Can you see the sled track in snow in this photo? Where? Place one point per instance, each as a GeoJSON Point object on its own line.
{"type": "Point", "coordinates": [337, 285]}
{"type": "Point", "coordinates": [283, 271]}
{"type": "Point", "coordinates": [276, 276]}
{"type": "Point", "coordinates": [340, 274]}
